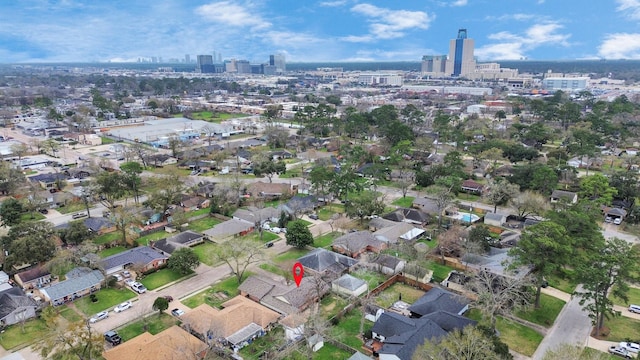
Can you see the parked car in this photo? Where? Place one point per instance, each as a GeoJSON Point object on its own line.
{"type": "Point", "coordinates": [634, 309]}
{"type": "Point", "coordinates": [275, 230]}
{"type": "Point", "coordinates": [313, 216]}
{"type": "Point", "coordinates": [617, 221]}
{"type": "Point", "coordinates": [122, 307]}
{"type": "Point", "coordinates": [126, 274]}
{"type": "Point", "coordinates": [618, 351]}
{"type": "Point", "coordinates": [630, 346]}
{"type": "Point", "coordinates": [177, 312]}
{"type": "Point", "coordinates": [79, 215]}
{"type": "Point", "coordinates": [112, 338]}
{"type": "Point", "coordinates": [269, 244]}
{"type": "Point", "coordinates": [608, 219]}
{"type": "Point", "coordinates": [129, 282]}
{"type": "Point", "coordinates": [99, 316]}
{"type": "Point", "coordinates": [139, 288]}
{"type": "Point", "coordinates": [118, 277]}
{"type": "Point", "coordinates": [43, 211]}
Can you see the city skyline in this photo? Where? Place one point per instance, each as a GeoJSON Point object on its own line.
{"type": "Point", "coordinates": [340, 30]}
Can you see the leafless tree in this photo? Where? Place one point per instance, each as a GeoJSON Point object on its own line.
{"type": "Point", "coordinates": [239, 254]}
{"type": "Point", "coordinates": [451, 242]}
{"type": "Point", "coordinates": [529, 203]}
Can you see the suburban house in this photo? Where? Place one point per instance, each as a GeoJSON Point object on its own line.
{"type": "Point", "coordinates": [283, 298]}
{"type": "Point", "coordinates": [397, 337]}
{"type": "Point", "coordinates": [411, 216]}
{"type": "Point", "coordinates": [399, 232]}
{"type": "Point", "coordinates": [48, 181]}
{"type": "Point", "coordinates": [99, 225]}
{"type": "Point", "coordinates": [269, 190]}
{"type": "Point", "coordinates": [36, 277]}
{"type": "Point", "coordinates": [356, 243]}
{"type": "Point", "coordinates": [228, 229]}
{"type": "Point", "coordinates": [160, 160]}
{"type": "Point", "coordinates": [471, 186]}
{"type": "Point", "coordinates": [614, 213]}
{"type": "Point", "coordinates": [438, 299]}
{"type": "Point", "coordinates": [425, 204]}
{"type": "Point", "coordinates": [15, 306]}
{"type": "Point", "coordinates": [388, 265]}
{"type": "Point", "coordinates": [300, 205]}
{"type": "Point", "coordinates": [380, 223]}
{"type": "Point", "coordinates": [566, 197]}
{"type": "Point", "coordinates": [79, 282]}
{"type": "Point", "coordinates": [255, 215]}
{"type": "Point", "coordinates": [191, 203]}
{"type": "Point", "coordinates": [327, 263]}
{"type": "Point", "coordinates": [236, 325]}
{"type": "Point", "coordinates": [173, 343]}
{"type": "Point", "coordinates": [143, 256]}
{"type": "Point", "coordinates": [349, 285]}
{"type": "Point", "coordinates": [205, 190]}
{"type": "Point", "coordinates": [494, 219]}
{"type": "Point", "coordinates": [184, 239]}
{"type": "Point", "coordinates": [79, 173]}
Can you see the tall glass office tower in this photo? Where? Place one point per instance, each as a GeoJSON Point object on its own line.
{"type": "Point", "coordinates": [461, 60]}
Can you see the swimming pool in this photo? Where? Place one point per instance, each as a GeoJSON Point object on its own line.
{"type": "Point", "coordinates": [466, 217]}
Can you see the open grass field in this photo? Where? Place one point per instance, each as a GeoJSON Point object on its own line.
{"type": "Point", "coordinates": [152, 323]}
{"type": "Point", "coordinates": [216, 295]}
{"type": "Point", "coordinates": [549, 309]}
{"type": "Point", "coordinates": [161, 278]}
{"type": "Point", "coordinates": [111, 251]}
{"type": "Point", "coordinates": [203, 224]}
{"type": "Point", "coordinates": [274, 269]}
{"type": "Point", "coordinates": [14, 337]}
{"type": "Point", "coordinates": [107, 298]}
{"type": "Point", "coordinates": [404, 202]}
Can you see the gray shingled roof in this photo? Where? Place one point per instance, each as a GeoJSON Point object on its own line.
{"type": "Point", "coordinates": [12, 299]}
{"type": "Point", "coordinates": [184, 237]}
{"type": "Point", "coordinates": [449, 321]}
{"type": "Point", "coordinates": [387, 261]}
{"type": "Point", "coordinates": [285, 299]}
{"type": "Point", "coordinates": [228, 228]}
{"type": "Point", "coordinates": [356, 241]}
{"type": "Point", "coordinates": [74, 285]}
{"type": "Point", "coordinates": [349, 282]}
{"type": "Point", "coordinates": [438, 299]}
{"type": "Point", "coordinates": [405, 344]}
{"type": "Point", "coordinates": [494, 216]}
{"type": "Point", "coordinates": [32, 274]}
{"type": "Point", "coordinates": [391, 323]}
{"type": "Point", "coordinates": [321, 260]}
{"type": "Point", "coordinates": [138, 255]}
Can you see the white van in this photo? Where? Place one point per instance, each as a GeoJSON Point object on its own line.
{"type": "Point", "coordinates": [634, 309]}
{"type": "Point", "coordinates": [633, 347]}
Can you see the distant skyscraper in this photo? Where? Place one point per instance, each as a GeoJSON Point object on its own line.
{"type": "Point", "coordinates": [434, 64]}
{"type": "Point", "coordinates": [187, 59]}
{"type": "Point", "coordinates": [205, 64]}
{"type": "Point", "coordinates": [278, 60]}
{"type": "Point", "coordinates": [461, 60]}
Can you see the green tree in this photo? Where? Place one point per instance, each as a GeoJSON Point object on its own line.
{"type": "Point", "coordinates": [596, 188]}
{"type": "Point", "coordinates": [470, 343]}
{"type": "Point", "coordinates": [75, 233]}
{"type": "Point", "coordinates": [364, 205]}
{"type": "Point", "coordinates": [168, 192]}
{"type": "Point", "coordinates": [160, 304]}
{"type": "Point", "coordinates": [298, 234]}
{"type": "Point", "coordinates": [480, 235]}
{"type": "Point", "coordinates": [131, 179]}
{"type": "Point", "coordinates": [546, 248]}
{"type": "Point", "coordinates": [183, 260]}
{"type": "Point", "coordinates": [29, 243]}
{"type": "Point", "coordinates": [110, 186]}
{"type": "Point", "coordinates": [10, 212]}
{"type": "Point", "coordinates": [609, 270]}
{"type": "Point", "coordinates": [265, 166]}
{"type": "Point", "coordinates": [500, 192]}
{"type": "Point", "coordinates": [11, 178]}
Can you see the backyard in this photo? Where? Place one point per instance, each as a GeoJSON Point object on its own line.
{"type": "Point", "coordinates": [107, 298]}
{"type": "Point", "coordinates": [398, 291]}
{"type": "Point", "coordinates": [373, 278]}
{"type": "Point", "coordinates": [326, 212]}
{"type": "Point", "coordinates": [111, 251]}
{"type": "Point", "coordinates": [347, 331]}
{"type": "Point", "coordinates": [203, 224]}
{"type": "Point", "coordinates": [549, 309]}
{"type": "Point", "coordinates": [405, 202]}
{"type": "Point", "coordinates": [160, 278]}
{"type": "Point", "coordinates": [152, 323]}
{"type": "Point", "coordinates": [14, 336]}
{"type": "Point", "coordinates": [516, 336]}
{"type": "Point", "coordinates": [216, 294]}
{"type": "Point", "coordinates": [107, 238]}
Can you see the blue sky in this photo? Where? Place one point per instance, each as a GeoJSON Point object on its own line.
{"type": "Point", "coordinates": [309, 30]}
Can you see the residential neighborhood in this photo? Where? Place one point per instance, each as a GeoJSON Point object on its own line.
{"type": "Point", "coordinates": [144, 225]}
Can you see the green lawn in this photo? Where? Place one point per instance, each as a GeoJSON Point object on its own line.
{"type": "Point", "coordinates": [205, 252]}
{"type": "Point", "coordinates": [634, 298]}
{"type": "Point", "coordinates": [13, 336]}
{"type": "Point", "coordinates": [144, 240]}
{"type": "Point", "coordinates": [549, 309]}
{"type": "Point", "coordinates": [331, 304]}
{"type": "Point", "coordinates": [72, 207]}
{"type": "Point", "coordinates": [216, 294]}
{"type": "Point", "coordinates": [398, 291]}
{"type": "Point", "coordinates": [69, 314]}
{"type": "Point", "coordinates": [152, 323]}
{"type": "Point", "coordinates": [203, 224]}
{"type": "Point", "coordinates": [305, 222]}
{"type": "Point", "coordinates": [327, 211]}
{"type": "Point", "coordinates": [111, 251]}
{"type": "Point", "coordinates": [330, 352]}
{"type": "Point", "coordinates": [199, 212]}
{"type": "Point", "coordinates": [404, 202]}
{"type": "Point", "coordinates": [518, 337]}
{"type": "Point", "coordinates": [266, 236]}
{"type": "Point", "coordinates": [325, 240]}
{"type": "Point", "coordinates": [160, 278]}
{"type": "Point", "coordinates": [271, 268]}
{"type": "Point", "coordinates": [622, 328]}
{"type": "Point", "coordinates": [107, 238]}
{"type": "Point", "coordinates": [34, 216]}
{"type": "Point", "coordinates": [563, 281]}
{"type": "Point", "coordinates": [107, 298]}
{"type": "Point", "coordinates": [290, 255]}
{"type": "Point", "coordinates": [291, 173]}
{"type": "Point", "coordinates": [372, 278]}
{"type": "Point", "coordinates": [348, 329]}
{"type": "Point", "coordinates": [440, 271]}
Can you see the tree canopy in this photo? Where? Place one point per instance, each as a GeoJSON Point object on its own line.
{"type": "Point", "coordinates": [298, 234]}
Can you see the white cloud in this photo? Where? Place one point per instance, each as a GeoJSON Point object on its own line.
{"type": "Point", "coordinates": [516, 17]}
{"type": "Point", "coordinates": [459, 3]}
{"type": "Point", "coordinates": [515, 46]}
{"type": "Point", "coordinates": [630, 7]}
{"type": "Point", "coordinates": [620, 46]}
{"type": "Point", "coordinates": [333, 3]}
{"type": "Point", "coordinates": [232, 14]}
{"type": "Point", "coordinates": [391, 24]}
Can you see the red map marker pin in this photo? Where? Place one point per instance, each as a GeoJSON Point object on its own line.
{"type": "Point", "coordinates": [298, 273]}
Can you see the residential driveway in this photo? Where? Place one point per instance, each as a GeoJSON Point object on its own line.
{"type": "Point", "coordinates": [571, 327]}
{"type": "Point", "coordinates": [205, 276]}
{"type": "Point", "coordinates": [610, 231]}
